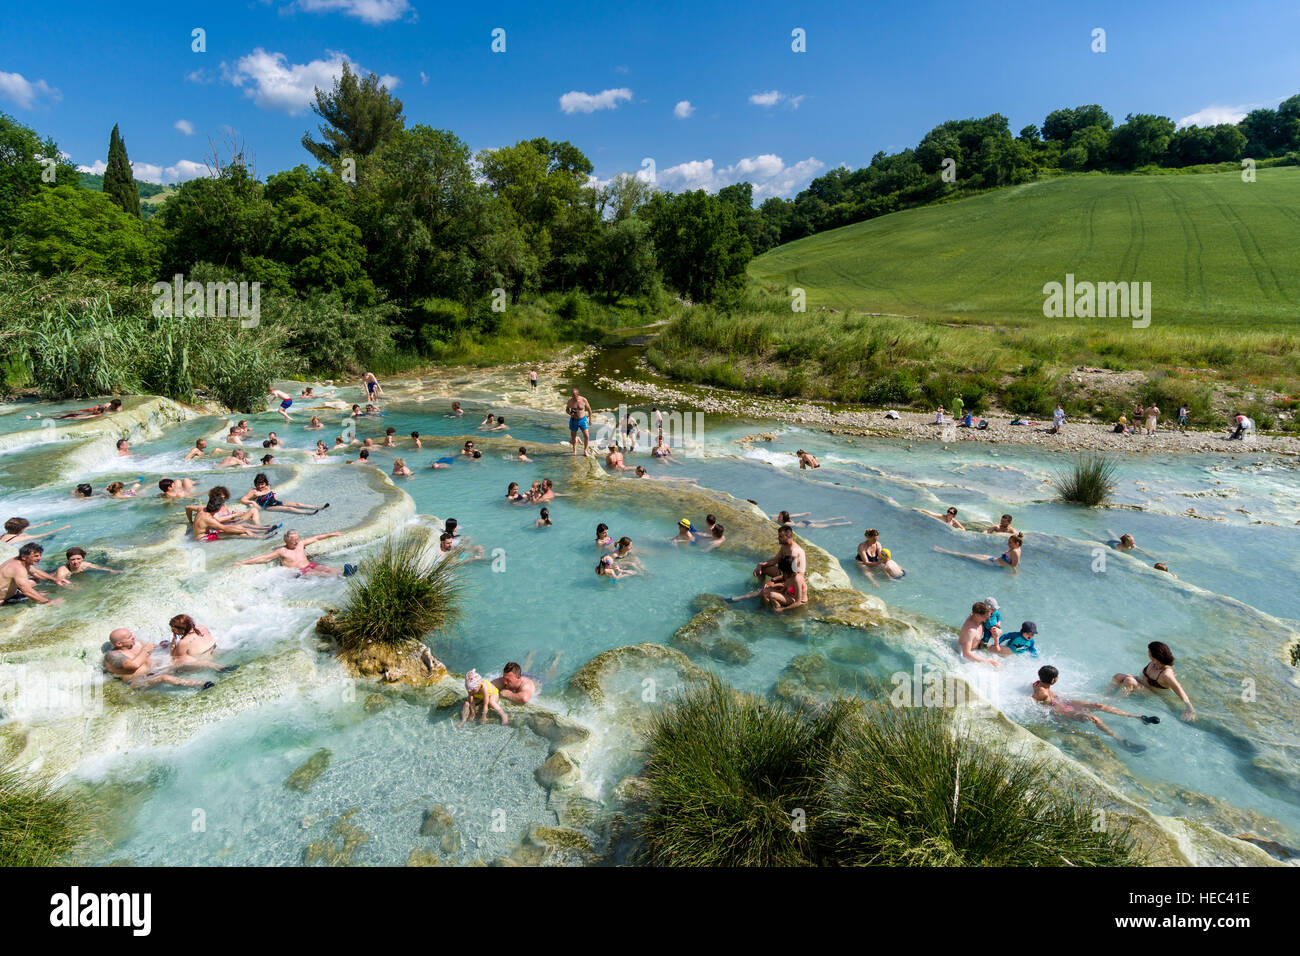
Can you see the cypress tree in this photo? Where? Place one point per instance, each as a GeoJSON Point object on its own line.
{"type": "Point", "coordinates": [119, 184]}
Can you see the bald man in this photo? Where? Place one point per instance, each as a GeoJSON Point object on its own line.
{"type": "Point", "coordinates": [129, 659]}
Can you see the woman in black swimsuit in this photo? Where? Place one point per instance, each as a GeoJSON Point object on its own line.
{"type": "Point", "coordinates": [1158, 674]}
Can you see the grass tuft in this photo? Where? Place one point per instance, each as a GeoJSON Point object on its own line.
{"type": "Point", "coordinates": [1089, 481]}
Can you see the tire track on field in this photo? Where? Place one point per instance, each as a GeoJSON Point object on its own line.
{"type": "Point", "coordinates": [1246, 240]}
{"type": "Point", "coordinates": [1190, 234]}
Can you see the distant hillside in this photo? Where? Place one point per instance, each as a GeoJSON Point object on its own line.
{"type": "Point", "coordinates": [152, 196]}
{"type": "Point", "coordinates": [1214, 248]}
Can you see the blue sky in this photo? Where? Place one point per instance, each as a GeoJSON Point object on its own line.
{"type": "Point", "coordinates": [609, 78]}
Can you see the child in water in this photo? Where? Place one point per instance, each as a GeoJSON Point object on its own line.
{"type": "Point", "coordinates": [486, 694]}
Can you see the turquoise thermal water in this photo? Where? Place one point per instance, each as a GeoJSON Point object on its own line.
{"type": "Point", "coordinates": [535, 599]}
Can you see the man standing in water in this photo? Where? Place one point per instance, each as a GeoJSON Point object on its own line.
{"type": "Point", "coordinates": [579, 411]}
{"type": "Point", "coordinates": [16, 577]}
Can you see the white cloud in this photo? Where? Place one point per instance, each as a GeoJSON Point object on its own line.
{"type": "Point", "coordinates": [768, 173]}
{"type": "Point", "coordinates": [683, 109]}
{"type": "Point", "coordinates": [371, 11]}
{"type": "Point", "coordinates": [773, 97]}
{"type": "Point", "coordinates": [1214, 115]}
{"type": "Point", "coordinates": [164, 176]}
{"type": "Point", "coordinates": [185, 126]}
{"type": "Point", "coordinates": [200, 76]}
{"type": "Point", "coordinates": [26, 94]}
{"type": "Point", "coordinates": [424, 78]}
{"type": "Point", "coordinates": [152, 173]}
{"type": "Point", "coordinates": [578, 102]}
{"type": "Point", "coordinates": [276, 84]}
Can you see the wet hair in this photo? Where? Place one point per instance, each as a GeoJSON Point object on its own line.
{"type": "Point", "coordinates": [710, 520]}
{"type": "Point", "coordinates": [718, 530]}
{"type": "Point", "coordinates": [115, 404]}
{"type": "Point", "coordinates": [523, 450]}
{"type": "Point", "coordinates": [979, 607]}
{"type": "Point", "coordinates": [113, 487]}
{"type": "Point", "coordinates": [445, 536]}
{"type": "Point", "coordinates": [213, 506]}
{"type": "Point", "coordinates": [602, 529]}
{"type": "Point", "coordinates": [512, 487]}
{"type": "Point", "coordinates": [625, 542]}
{"type": "Point", "coordinates": [73, 552]}
{"type": "Point", "coordinates": [165, 484]}
{"type": "Point", "coordinates": [952, 511]}
{"type": "Point", "coordinates": [85, 490]}
{"type": "Point", "coordinates": [182, 622]}
{"type": "Point", "coordinates": [640, 471]}
{"type": "Point", "coordinates": [1161, 652]}
{"type": "Point", "coordinates": [1047, 673]}
{"type": "Point", "coordinates": [476, 454]}
{"type": "Point", "coordinates": [261, 479]}
{"type": "Point", "coordinates": [511, 668]}
{"type": "Point", "coordinates": [16, 525]}
{"type": "Point", "coordinates": [1017, 539]}
{"type": "Point", "coordinates": [268, 459]}
{"type": "Point", "coordinates": [801, 452]}
{"type": "Point", "coordinates": [500, 420]}
{"type": "Point", "coordinates": [1007, 518]}
{"type": "Point", "coordinates": [1161, 566]}
{"type": "Point", "coordinates": [871, 533]}
{"type": "Point", "coordinates": [120, 443]}
{"type": "Point", "coordinates": [546, 513]}
{"type": "Point", "coordinates": [415, 434]}
{"type": "Point", "coordinates": [30, 548]}
{"type": "Point", "coordinates": [546, 483]}
{"type": "Point", "coordinates": [266, 443]}
{"type": "Point", "coordinates": [1127, 539]}
{"type": "Point", "coordinates": [399, 462]}
{"type": "Point", "coordinates": [783, 517]}
{"type": "Point", "coordinates": [450, 526]}
{"type": "Point", "coordinates": [200, 442]}
{"type": "Point", "coordinates": [364, 454]}
{"type": "Point", "coordinates": [390, 430]}
{"type": "Point", "coordinates": [785, 529]}
{"type": "Point", "coordinates": [218, 491]}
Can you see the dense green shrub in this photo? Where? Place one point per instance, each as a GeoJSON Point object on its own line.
{"type": "Point", "coordinates": [39, 824]}
{"type": "Point", "coordinates": [404, 593]}
{"type": "Point", "coordinates": [1089, 481]}
{"type": "Point", "coordinates": [736, 780]}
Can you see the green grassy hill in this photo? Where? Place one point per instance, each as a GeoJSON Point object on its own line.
{"type": "Point", "coordinates": [1215, 250]}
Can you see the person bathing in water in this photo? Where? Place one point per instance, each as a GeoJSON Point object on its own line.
{"type": "Point", "coordinates": [606, 568]}
{"type": "Point", "coordinates": [76, 563]}
{"type": "Point", "coordinates": [971, 635]}
{"type": "Point", "coordinates": [1002, 527]}
{"type": "Point", "coordinates": [802, 520]}
{"type": "Point", "coordinates": [16, 531]}
{"type": "Point", "coordinates": [16, 576]}
{"type": "Point", "coordinates": [1009, 558]}
{"type": "Point", "coordinates": [128, 658]}
{"type": "Point", "coordinates": [294, 555]}
{"type": "Point", "coordinates": [806, 460]}
{"type": "Point", "coordinates": [512, 683]}
{"type": "Point", "coordinates": [1156, 675]}
{"type": "Point", "coordinates": [949, 517]}
{"type": "Point", "coordinates": [263, 495]}
{"type": "Point", "coordinates": [191, 645]}
{"type": "Point", "coordinates": [873, 557]}
{"type": "Point", "coordinates": [1080, 710]}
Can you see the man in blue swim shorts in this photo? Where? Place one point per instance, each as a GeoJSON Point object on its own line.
{"type": "Point", "coordinates": [579, 411]}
